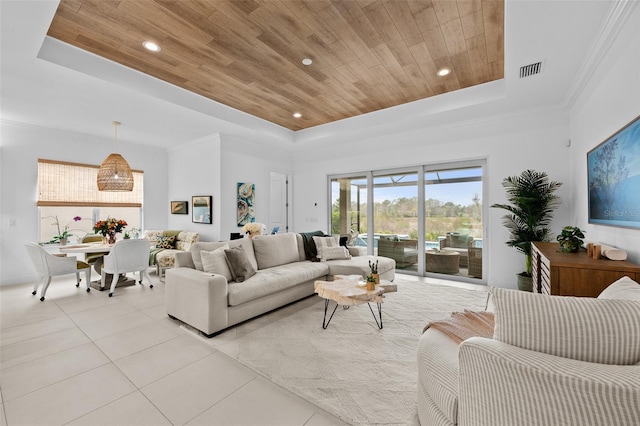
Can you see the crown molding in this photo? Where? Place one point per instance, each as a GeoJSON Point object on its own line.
{"type": "Point", "coordinates": [618, 16]}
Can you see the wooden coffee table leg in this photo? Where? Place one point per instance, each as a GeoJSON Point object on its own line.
{"type": "Point", "coordinates": [325, 323]}
{"type": "Point", "coordinates": [379, 324]}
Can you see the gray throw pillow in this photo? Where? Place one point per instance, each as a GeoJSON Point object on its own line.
{"type": "Point", "coordinates": [239, 264]}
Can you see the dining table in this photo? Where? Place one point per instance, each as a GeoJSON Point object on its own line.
{"type": "Point", "coordinates": [89, 248]}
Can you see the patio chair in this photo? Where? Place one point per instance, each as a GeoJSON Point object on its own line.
{"type": "Point", "coordinates": [126, 256]}
{"type": "Point", "coordinates": [48, 265]}
{"type": "Point", "coordinates": [404, 252]}
{"type": "Point", "coordinates": [475, 262]}
{"type": "Point", "coordinates": [459, 243]}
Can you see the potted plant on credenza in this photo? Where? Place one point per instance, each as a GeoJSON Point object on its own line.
{"type": "Point", "coordinates": [532, 200]}
{"type": "Point", "coordinates": [570, 239]}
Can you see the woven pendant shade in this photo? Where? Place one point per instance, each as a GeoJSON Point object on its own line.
{"type": "Point", "coordinates": [115, 174]}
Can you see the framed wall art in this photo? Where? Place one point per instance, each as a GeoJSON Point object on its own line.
{"type": "Point", "coordinates": [613, 174]}
{"type": "Point", "coordinates": [179, 207]}
{"type": "Point", "coordinates": [201, 209]}
{"type": "Point", "coordinates": [246, 207]}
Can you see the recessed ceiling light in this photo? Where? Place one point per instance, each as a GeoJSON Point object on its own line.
{"type": "Point", "coordinates": [149, 45]}
{"type": "Point", "coordinates": [307, 61]}
{"type": "Point", "coordinates": [443, 72]}
{"type": "Point", "coordinates": [297, 115]}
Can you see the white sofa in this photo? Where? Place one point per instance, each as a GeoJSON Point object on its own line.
{"type": "Point", "coordinates": [553, 360]}
{"type": "Point", "coordinates": [211, 302]}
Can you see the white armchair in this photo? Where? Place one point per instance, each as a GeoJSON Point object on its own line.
{"type": "Point", "coordinates": [48, 265]}
{"type": "Point", "coordinates": [553, 360]}
{"type": "Point", "coordinates": [126, 256]}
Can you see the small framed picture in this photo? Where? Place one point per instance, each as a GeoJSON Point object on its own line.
{"type": "Point", "coordinates": [201, 209]}
{"type": "Point", "coordinates": [179, 207]}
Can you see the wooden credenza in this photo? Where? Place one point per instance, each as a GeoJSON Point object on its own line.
{"type": "Point", "coordinates": [575, 274]}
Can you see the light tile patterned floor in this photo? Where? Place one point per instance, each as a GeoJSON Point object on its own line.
{"type": "Point", "coordinates": [83, 358]}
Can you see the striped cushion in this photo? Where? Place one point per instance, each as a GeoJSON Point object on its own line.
{"type": "Point", "coordinates": [323, 243]}
{"type": "Point", "coordinates": [585, 329]}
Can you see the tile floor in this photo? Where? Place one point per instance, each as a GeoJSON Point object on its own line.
{"type": "Point", "coordinates": [83, 358]}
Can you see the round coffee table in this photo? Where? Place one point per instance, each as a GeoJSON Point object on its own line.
{"type": "Point", "coordinates": [443, 262]}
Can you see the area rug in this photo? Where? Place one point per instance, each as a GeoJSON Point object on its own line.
{"type": "Point", "coordinates": [363, 375]}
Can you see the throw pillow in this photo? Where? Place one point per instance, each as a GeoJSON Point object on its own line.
{"type": "Point", "coordinates": [215, 262]}
{"type": "Point", "coordinates": [344, 241]}
{"type": "Point", "coordinates": [624, 289]}
{"type": "Point", "coordinates": [166, 242]}
{"type": "Point", "coordinates": [239, 264]}
{"type": "Point", "coordinates": [324, 242]}
{"type": "Point", "coordinates": [581, 328]}
{"type": "Point", "coordinates": [310, 250]}
{"type": "Point", "coordinates": [331, 253]}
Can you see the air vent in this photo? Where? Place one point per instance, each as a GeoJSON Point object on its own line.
{"type": "Point", "coordinates": [531, 69]}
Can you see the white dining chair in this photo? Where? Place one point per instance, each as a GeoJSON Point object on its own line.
{"type": "Point", "coordinates": [130, 255]}
{"type": "Point", "coordinates": [48, 265]}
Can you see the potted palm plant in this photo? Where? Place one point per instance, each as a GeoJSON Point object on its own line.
{"type": "Point", "coordinates": [532, 200]}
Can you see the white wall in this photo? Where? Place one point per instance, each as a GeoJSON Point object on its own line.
{"type": "Point", "coordinates": [194, 169]}
{"type": "Point", "coordinates": [510, 145]}
{"type": "Point", "coordinates": [248, 162]}
{"type": "Point", "coordinates": [610, 101]}
{"type": "Point", "coordinates": [214, 166]}
{"type": "Point", "coordinates": [21, 146]}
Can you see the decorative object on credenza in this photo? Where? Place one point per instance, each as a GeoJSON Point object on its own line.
{"type": "Point", "coordinates": [114, 173]}
{"type": "Point", "coordinates": [611, 253]}
{"type": "Point", "coordinates": [108, 228]}
{"type": "Point", "coordinates": [201, 209]}
{"type": "Point", "coordinates": [179, 207]}
{"type": "Point", "coordinates": [253, 229]}
{"type": "Point", "coordinates": [614, 179]}
{"type": "Point", "coordinates": [570, 239]}
{"type": "Point", "coordinates": [532, 200]}
{"type": "Point", "coordinates": [246, 208]}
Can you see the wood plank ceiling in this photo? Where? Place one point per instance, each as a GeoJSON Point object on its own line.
{"type": "Point", "coordinates": [367, 54]}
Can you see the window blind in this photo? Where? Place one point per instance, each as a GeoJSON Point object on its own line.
{"type": "Point", "coordinates": [62, 183]}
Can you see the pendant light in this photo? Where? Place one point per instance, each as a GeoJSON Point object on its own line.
{"type": "Point", "coordinates": [114, 173]}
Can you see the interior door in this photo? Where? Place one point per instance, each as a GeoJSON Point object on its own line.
{"type": "Point", "coordinates": [279, 203]}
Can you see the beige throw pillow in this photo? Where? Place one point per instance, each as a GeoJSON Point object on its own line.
{"type": "Point", "coordinates": [331, 253]}
{"type": "Point", "coordinates": [215, 262]}
{"type": "Point", "coordinates": [623, 289]}
{"type": "Point", "coordinates": [322, 243]}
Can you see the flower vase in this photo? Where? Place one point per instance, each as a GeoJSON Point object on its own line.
{"type": "Point", "coordinates": [63, 242]}
{"type": "Point", "coordinates": [111, 238]}
{"type": "Point", "coordinates": [377, 278]}
{"type": "Point", "coordinates": [371, 286]}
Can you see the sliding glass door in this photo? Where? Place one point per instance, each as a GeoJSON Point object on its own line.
{"type": "Point", "coordinates": [395, 217]}
{"type": "Point", "coordinates": [349, 208]}
{"type": "Point", "coordinates": [427, 218]}
{"type": "Point", "coordinates": [453, 221]}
